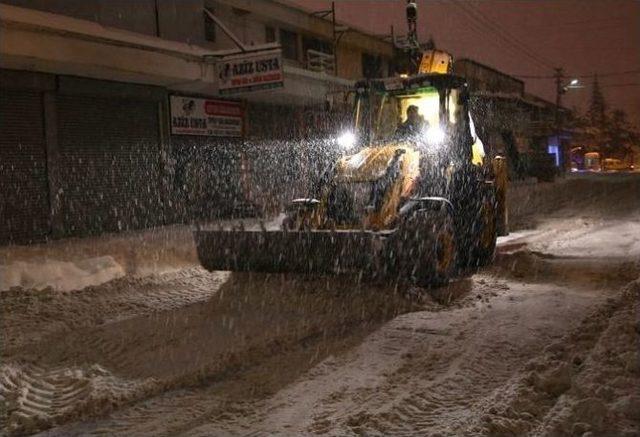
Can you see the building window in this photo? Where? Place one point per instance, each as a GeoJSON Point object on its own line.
{"type": "Point", "coordinates": [209, 27]}
{"type": "Point", "coordinates": [318, 55]}
{"type": "Point", "coordinates": [311, 43]}
{"type": "Point", "coordinates": [269, 34]}
{"type": "Point", "coordinates": [289, 43]}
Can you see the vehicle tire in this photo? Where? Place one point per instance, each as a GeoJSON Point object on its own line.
{"type": "Point", "coordinates": [429, 248]}
{"type": "Point", "coordinates": [485, 231]}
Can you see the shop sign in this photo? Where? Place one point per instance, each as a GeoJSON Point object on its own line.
{"type": "Point", "coordinates": [209, 117]}
{"type": "Point", "coordinates": [250, 72]}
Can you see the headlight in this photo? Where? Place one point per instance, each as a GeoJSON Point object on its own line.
{"type": "Point", "coordinates": [434, 135]}
{"type": "Point", "coordinates": [347, 140]}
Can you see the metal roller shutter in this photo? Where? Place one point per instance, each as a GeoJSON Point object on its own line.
{"type": "Point", "coordinates": [109, 164]}
{"type": "Point", "coordinates": [24, 200]}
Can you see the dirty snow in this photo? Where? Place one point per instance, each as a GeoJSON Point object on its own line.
{"type": "Point", "coordinates": [544, 342]}
{"type": "Point", "coordinates": [60, 275]}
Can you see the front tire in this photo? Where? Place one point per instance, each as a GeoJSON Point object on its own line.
{"type": "Point", "coordinates": [429, 244]}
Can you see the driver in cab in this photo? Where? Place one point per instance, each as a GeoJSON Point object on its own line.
{"type": "Point", "coordinates": [413, 125]}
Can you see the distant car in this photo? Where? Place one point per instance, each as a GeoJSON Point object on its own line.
{"type": "Point", "coordinates": [592, 161]}
{"type": "Point", "coordinates": [613, 164]}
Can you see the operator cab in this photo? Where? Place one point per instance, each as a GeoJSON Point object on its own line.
{"type": "Point", "coordinates": [427, 111]}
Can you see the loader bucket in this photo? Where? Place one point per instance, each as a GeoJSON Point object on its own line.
{"type": "Point", "coordinates": [316, 251]}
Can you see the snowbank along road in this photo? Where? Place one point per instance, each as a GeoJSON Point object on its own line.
{"type": "Point", "coordinates": [126, 335]}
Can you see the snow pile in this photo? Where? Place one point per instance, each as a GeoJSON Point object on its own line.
{"type": "Point", "coordinates": [59, 275]}
{"type": "Point", "coordinates": [33, 398]}
{"type": "Point", "coordinates": [584, 384]}
{"type": "Point", "coordinates": [76, 263]}
{"type": "Point", "coordinates": [603, 396]}
{"type": "Point", "coordinates": [594, 237]}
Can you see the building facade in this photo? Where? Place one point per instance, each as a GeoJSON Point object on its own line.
{"type": "Point", "coordinates": [89, 141]}
{"type": "Point", "coordinates": [518, 124]}
{"type": "Point", "coordinates": [119, 114]}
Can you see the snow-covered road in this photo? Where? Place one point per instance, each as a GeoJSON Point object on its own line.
{"type": "Point", "coordinates": [543, 342]}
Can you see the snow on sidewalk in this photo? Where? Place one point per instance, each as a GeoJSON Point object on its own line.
{"type": "Point", "coordinates": [60, 275]}
{"type": "Point", "coordinates": [76, 263]}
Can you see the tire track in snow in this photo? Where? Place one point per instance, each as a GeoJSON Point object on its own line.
{"type": "Point", "coordinates": [448, 383]}
{"type": "Point", "coordinates": [251, 317]}
{"type": "Point", "coordinates": [33, 397]}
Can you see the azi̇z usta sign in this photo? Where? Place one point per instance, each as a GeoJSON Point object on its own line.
{"type": "Point", "coordinates": [250, 72]}
{"type": "Point", "coordinates": [208, 117]}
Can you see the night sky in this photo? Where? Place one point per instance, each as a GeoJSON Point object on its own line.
{"type": "Point", "coordinates": [525, 38]}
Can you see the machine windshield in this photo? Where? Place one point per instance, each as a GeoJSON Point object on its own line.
{"type": "Point", "coordinates": [387, 116]}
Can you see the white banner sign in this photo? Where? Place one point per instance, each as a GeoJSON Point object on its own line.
{"type": "Point", "coordinates": [250, 72]}
{"type": "Point", "coordinates": [209, 117]}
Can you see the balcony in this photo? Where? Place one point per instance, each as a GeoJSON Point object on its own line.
{"type": "Point", "coordinates": [320, 62]}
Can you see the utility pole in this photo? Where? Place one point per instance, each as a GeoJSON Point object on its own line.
{"type": "Point", "coordinates": [559, 76]}
{"type": "Point", "coordinates": [156, 11]}
{"type": "Point", "coordinates": [338, 31]}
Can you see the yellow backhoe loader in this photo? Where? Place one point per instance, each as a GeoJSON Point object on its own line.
{"type": "Point", "coordinates": [415, 197]}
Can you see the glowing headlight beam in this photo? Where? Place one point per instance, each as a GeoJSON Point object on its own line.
{"type": "Point", "coordinates": [434, 135]}
{"type": "Point", "coordinates": [347, 140]}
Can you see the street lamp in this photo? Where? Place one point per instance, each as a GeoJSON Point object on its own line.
{"type": "Point", "coordinates": [573, 84]}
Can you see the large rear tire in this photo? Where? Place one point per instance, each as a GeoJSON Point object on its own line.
{"type": "Point", "coordinates": [485, 231]}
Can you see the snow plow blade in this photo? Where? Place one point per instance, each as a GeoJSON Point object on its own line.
{"type": "Point", "coordinates": [316, 251]}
